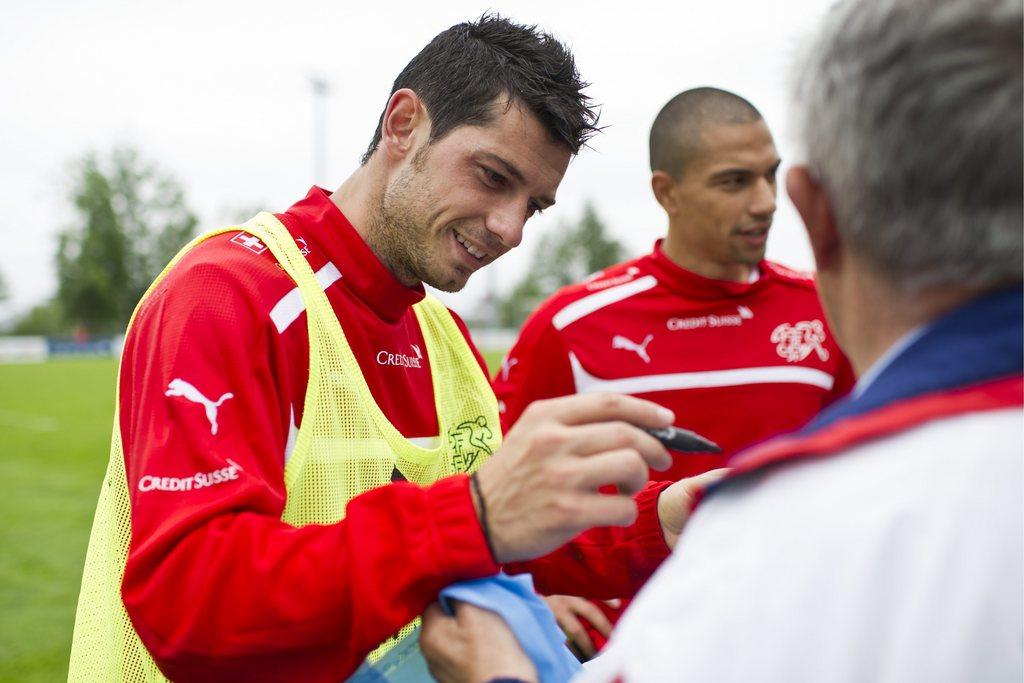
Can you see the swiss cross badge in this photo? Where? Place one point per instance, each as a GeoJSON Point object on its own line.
{"type": "Point", "coordinates": [250, 242]}
{"type": "Point", "coordinates": [467, 441]}
{"type": "Point", "coordinates": [796, 342]}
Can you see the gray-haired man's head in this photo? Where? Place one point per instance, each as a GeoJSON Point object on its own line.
{"type": "Point", "coordinates": [911, 118]}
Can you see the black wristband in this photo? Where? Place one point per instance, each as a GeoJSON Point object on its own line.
{"type": "Point", "coordinates": [475, 485]}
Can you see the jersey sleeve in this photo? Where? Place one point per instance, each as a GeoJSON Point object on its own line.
{"type": "Point", "coordinates": [537, 366]}
{"type": "Point", "coordinates": [605, 562]}
{"type": "Point", "coordinates": [216, 585]}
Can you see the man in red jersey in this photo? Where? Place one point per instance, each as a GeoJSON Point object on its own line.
{"type": "Point", "coordinates": [882, 541]}
{"type": "Point", "coordinates": [217, 378]}
{"type": "Point", "coordinates": [735, 345]}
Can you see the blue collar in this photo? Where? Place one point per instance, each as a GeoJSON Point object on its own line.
{"type": "Point", "coordinates": [980, 341]}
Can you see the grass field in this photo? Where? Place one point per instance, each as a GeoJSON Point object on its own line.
{"type": "Point", "coordinates": [55, 429]}
{"type": "Point", "coordinates": [55, 421]}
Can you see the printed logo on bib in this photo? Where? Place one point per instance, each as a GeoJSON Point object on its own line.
{"type": "Point", "coordinates": [250, 242]}
{"type": "Point", "coordinates": [303, 247]}
{"type": "Point", "coordinates": [179, 387]}
{"type": "Point", "coordinates": [401, 360]}
{"type": "Point", "coordinates": [796, 342]}
{"type": "Point", "coordinates": [705, 321]}
{"type": "Point", "coordinates": [627, 344]}
{"type": "Point", "coordinates": [468, 441]}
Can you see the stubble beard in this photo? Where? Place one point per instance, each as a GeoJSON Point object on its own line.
{"type": "Point", "coordinates": [746, 257]}
{"type": "Point", "coordinates": [400, 234]}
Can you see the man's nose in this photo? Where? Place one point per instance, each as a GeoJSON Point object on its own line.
{"type": "Point", "coordinates": [763, 202]}
{"type": "Point", "coordinates": [506, 221]}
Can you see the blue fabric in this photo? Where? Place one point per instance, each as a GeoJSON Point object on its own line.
{"type": "Point", "coordinates": [511, 597]}
{"type": "Point", "coordinates": [534, 626]}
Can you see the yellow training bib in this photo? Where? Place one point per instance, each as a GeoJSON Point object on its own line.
{"type": "Point", "coordinates": [345, 447]}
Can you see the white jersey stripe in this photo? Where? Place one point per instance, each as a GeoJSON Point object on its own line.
{"type": "Point", "coordinates": [598, 300]}
{"type": "Point", "coordinates": [290, 306]}
{"type": "Point", "coordinates": [587, 383]}
{"type": "Point", "coordinates": [293, 433]}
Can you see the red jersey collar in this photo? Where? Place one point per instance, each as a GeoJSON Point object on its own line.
{"type": "Point", "coordinates": [696, 286]}
{"type": "Point", "coordinates": [362, 272]}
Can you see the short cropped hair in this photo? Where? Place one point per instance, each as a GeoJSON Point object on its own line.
{"type": "Point", "coordinates": [461, 72]}
{"type": "Point", "coordinates": [910, 115]}
{"type": "Point", "coordinates": [676, 133]}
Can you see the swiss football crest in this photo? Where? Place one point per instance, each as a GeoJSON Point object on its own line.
{"type": "Point", "coordinates": [468, 441]}
{"type": "Point", "coordinates": [796, 342]}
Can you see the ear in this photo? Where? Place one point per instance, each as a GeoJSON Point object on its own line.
{"type": "Point", "coordinates": [664, 187]}
{"type": "Point", "coordinates": [405, 124]}
{"type": "Point", "coordinates": [815, 208]}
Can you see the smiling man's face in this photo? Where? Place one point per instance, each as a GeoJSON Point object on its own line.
{"type": "Point", "coordinates": [726, 196]}
{"type": "Point", "coordinates": [462, 201]}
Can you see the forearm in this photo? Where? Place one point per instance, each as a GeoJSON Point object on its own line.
{"type": "Point", "coordinates": [247, 595]}
{"type": "Point", "coordinates": [607, 562]}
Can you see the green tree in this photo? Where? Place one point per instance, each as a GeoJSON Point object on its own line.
{"type": "Point", "coordinates": [562, 257]}
{"type": "Point", "coordinates": [131, 219]}
{"type": "Point", "coordinates": [45, 319]}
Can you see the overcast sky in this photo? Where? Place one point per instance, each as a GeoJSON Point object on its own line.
{"type": "Point", "coordinates": [218, 94]}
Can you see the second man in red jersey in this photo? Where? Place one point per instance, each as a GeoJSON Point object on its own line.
{"type": "Point", "coordinates": [736, 346]}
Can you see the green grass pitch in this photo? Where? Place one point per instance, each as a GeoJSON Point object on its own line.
{"type": "Point", "coordinates": [55, 421]}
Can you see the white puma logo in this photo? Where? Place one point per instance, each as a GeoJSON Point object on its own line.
{"type": "Point", "coordinates": [620, 342]}
{"type": "Point", "coordinates": [179, 387]}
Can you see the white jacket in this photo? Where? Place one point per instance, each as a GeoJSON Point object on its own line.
{"type": "Point", "coordinates": [897, 560]}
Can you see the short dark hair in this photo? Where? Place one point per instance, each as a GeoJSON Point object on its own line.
{"type": "Point", "coordinates": [460, 73]}
{"type": "Point", "coordinates": [675, 135]}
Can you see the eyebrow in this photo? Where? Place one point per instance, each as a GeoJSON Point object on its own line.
{"type": "Point", "coordinates": [743, 171]}
{"type": "Point", "coordinates": [511, 169]}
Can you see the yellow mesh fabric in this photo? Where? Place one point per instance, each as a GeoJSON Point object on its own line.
{"type": "Point", "coordinates": [345, 446]}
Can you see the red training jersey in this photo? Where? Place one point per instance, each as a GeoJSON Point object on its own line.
{"type": "Point", "coordinates": [213, 381]}
{"type": "Point", "coordinates": [736, 362]}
